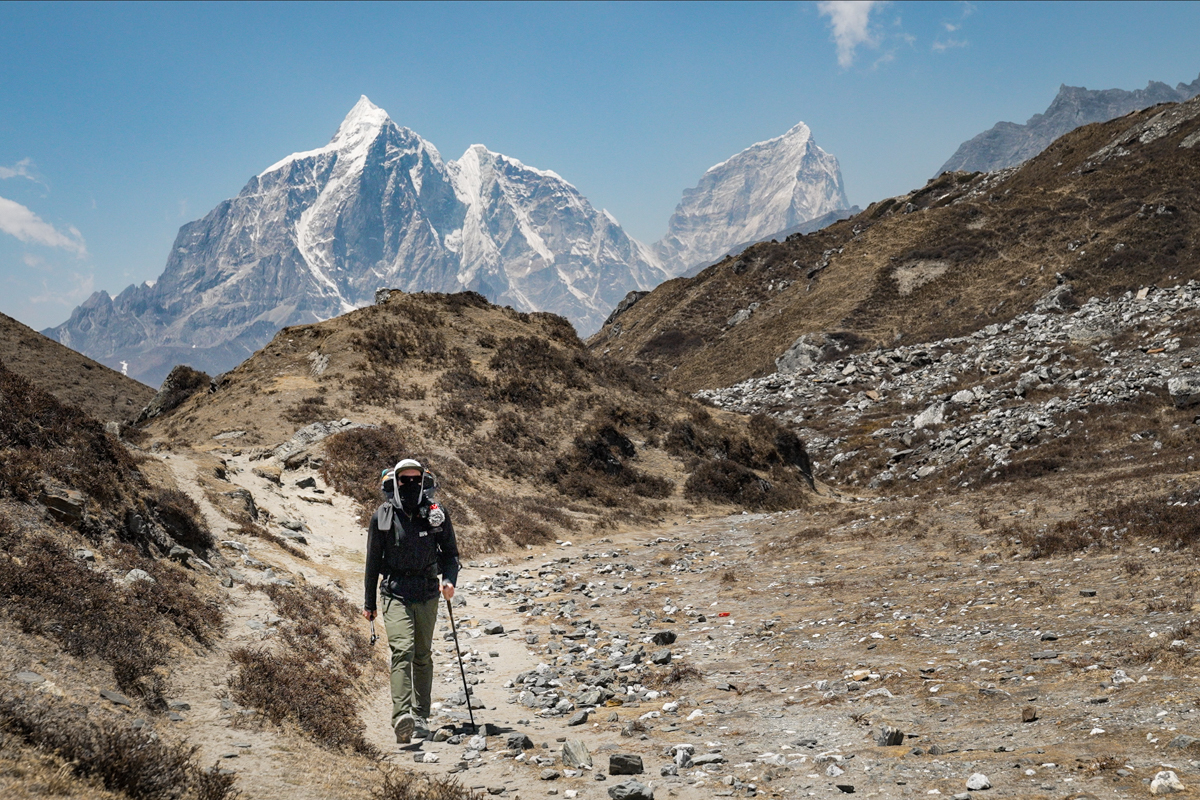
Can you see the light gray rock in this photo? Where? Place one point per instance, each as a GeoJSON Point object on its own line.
{"type": "Point", "coordinates": [631, 790]}
{"type": "Point", "coordinates": [575, 755]}
{"type": "Point", "coordinates": [978, 782]}
{"type": "Point", "coordinates": [1185, 389]}
{"type": "Point", "coordinates": [1166, 782]}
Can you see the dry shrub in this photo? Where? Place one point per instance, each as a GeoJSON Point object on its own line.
{"type": "Point", "coordinates": [400, 784]}
{"type": "Point", "coordinates": [460, 414]}
{"type": "Point", "coordinates": [47, 591]}
{"type": "Point", "coordinates": [1170, 520]}
{"type": "Point", "coordinates": [376, 387]}
{"type": "Point", "coordinates": [179, 385]}
{"type": "Point", "coordinates": [307, 410]}
{"type": "Point", "coordinates": [309, 677]}
{"type": "Point", "coordinates": [182, 518]}
{"type": "Point", "coordinates": [503, 517]}
{"type": "Point", "coordinates": [391, 344]}
{"type": "Point", "coordinates": [678, 673]}
{"type": "Point", "coordinates": [41, 436]}
{"type": "Point", "coordinates": [136, 763]}
{"type": "Point", "coordinates": [597, 467]}
{"type": "Point", "coordinates": [354, 460]}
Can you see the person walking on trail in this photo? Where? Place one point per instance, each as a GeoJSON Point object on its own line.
{"type": "Point", "coordinates": [409, 543]}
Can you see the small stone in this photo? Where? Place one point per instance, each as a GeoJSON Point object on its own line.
{"type": "Point", "coordinates": [1087, 592]}
{"type": "Point", "coordinates": [115, 697]}
{"type": "Point", "coordinates": [668, 770]}
{"type": "Point", "coordinates": [664, 638]}
{"type": "Point", "coordinates": [630, 790]}
{"type": "Point", "coordinates": [443, 734]}
{"type": "Point", "coordinates": [515, 741]}
{"type": "Point", "coordinates": [575, 755]}
{"type": "Point", "coordinates": [624, 764]}
{"type": "Point", "coordinates": [978, 782]}
{"type": "Point", "coordinates": [135, 575]}
{"type": "Point", "coordinates": [30, 678]}
{"type": "Point", "coordinates": [1045, 655]}
{"type": "Point", "coordinates": [579, 718]}
{"type": "Point", "coordinates": [661, 657]}
{"type": "Point", "coordinates": [1166, 782]}
{"type": "Point", "coordinates": [550, 775]}
{"type": "Point", "coordinates": [492, 628]}
{"type": "Point", "coordinates": [174, 716]}
{"type": "Point", "coordinates": [889, 736]}
{"type": "Point", "coordinates": [179, 705]}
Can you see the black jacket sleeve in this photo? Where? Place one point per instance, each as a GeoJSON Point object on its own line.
{"type": "Point", "coordinates": [447, 552]}
{"type": "Point", "coordinates": [375, 563]}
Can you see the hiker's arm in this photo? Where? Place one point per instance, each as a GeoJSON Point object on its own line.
{"type": "Point", "coordinates": [447, 557]}
{"type": "Point", "coordinates": [374, 566]}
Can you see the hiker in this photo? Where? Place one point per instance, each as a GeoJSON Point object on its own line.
{"type": "Point", "coordinates": [409, 543]}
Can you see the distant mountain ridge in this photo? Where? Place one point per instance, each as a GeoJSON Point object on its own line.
{"type": "Point", "coordinates": [318, 232]}
{"type": "Point", "coordinates": [1007, 144]}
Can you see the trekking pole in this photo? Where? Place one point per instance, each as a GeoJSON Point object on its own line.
{"type": "Point", "coordinates": [461, 670]}
{"type": "Point", "coordinates": [374, 636]}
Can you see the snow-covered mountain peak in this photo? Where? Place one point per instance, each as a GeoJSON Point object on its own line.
{"type": "Point", "coordinates": [353, 137]}
{"type": "Point", "coordinates": [769, 187]}
{"type": "Point", "coordinates": [797, 136]}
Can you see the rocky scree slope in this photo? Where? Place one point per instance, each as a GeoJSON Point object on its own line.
{"type": "Point", "coordinates": [529, 433]}
{"type": "Point", "coordinates": [1109, 206]}
{"type": "Point", "coordinates": [314, 236]}
{"type": "Point", "coordinates": [1111, 385]}
{"type": "Point", "coordinates": [1007, 144]}
{"type": "Point", "coordinates": [74, 379]}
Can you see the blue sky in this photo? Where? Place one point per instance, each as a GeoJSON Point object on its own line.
{"type": "Point", "coordinates": [118, 123]}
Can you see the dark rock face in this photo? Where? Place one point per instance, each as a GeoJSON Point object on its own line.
{"type": "Point", "coordinates": [182, 383]}
{"type": "Point", "coordinates": [624, 764]}
{"type": "Point", "coordinates": [1007, 144]}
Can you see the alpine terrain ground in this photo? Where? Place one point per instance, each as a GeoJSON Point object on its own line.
{"type": "Point", "coordinates": [903, 507]}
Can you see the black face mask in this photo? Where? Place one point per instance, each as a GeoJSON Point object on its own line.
{"type": "Point", "coordinates": [408, 494]}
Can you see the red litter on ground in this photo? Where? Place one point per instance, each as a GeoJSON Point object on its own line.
{"type": "Point", "coordinates": [723, 614]}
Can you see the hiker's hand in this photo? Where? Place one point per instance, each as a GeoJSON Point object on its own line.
{"type": "Point", "coordinates": [447, 590]}
{"type": "Point", "coordinates": [368, 615]}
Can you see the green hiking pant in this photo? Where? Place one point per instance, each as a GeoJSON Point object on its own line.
{"type": "Point", "coordinates": [409, 629]}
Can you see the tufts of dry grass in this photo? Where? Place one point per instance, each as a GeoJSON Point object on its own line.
{"type": "Point", "coordinates": [133, 762]}
{"type": "Point", "coordinates": [126, 625]}
{"type": "Point", "coordinates": [310, 677]}
{"type": "Point", "coordinates": [398, 784]}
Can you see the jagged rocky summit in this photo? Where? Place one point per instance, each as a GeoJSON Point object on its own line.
{"type": "Point", "coordinates": [315, 235]}
{"type": "Point", "coordinates": [770, 189]}
{"type": "Point", "coordinates": [1007, 144]}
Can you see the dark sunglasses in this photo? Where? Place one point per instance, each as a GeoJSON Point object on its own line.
{"type": "Point", "coordinates": [408, 479]}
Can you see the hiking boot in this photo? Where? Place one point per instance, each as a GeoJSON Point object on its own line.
{"type": "Point", "coordinates": [404, 728]}
{"type": "Point", "coordinates": [420, 728]}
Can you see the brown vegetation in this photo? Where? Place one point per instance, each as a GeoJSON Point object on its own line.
{"type": "Point", "coordinates": [310, 676]}
{"type": "Point", "coordinates": [136, 763]}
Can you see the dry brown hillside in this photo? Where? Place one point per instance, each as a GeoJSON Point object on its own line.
{"type": "Point", "coordinates": [1111, 207]}
{"type": "Point", "coordinates": [71, 377]}
{"type": "Point", "coordinates": [531, 435]}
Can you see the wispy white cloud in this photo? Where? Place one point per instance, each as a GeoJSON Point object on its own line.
{"type": "Point", "coordinates": [68, 291]}
{"type": "Point", "coordinates": [22, 169]}
{"type": "Point", "coordinates": [950, 27]}
{"type": "Point", "coordinates": [850, 21]}
{"type": "Point", "coordinates": [942, 45]}
{"type": "Point", "coordinates": [17, 220]}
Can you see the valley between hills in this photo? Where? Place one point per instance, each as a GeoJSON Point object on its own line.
{"type": "Point", "coordinates": [857, 540]}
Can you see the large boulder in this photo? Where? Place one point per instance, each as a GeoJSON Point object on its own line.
{"type": "Point", "coordinates": [181, 383]}
{"type": "Point", "coordinates": [1185, 389]}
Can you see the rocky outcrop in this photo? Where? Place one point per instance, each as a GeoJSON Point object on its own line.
{"type": "Point", "coordinates": [182, 383]}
